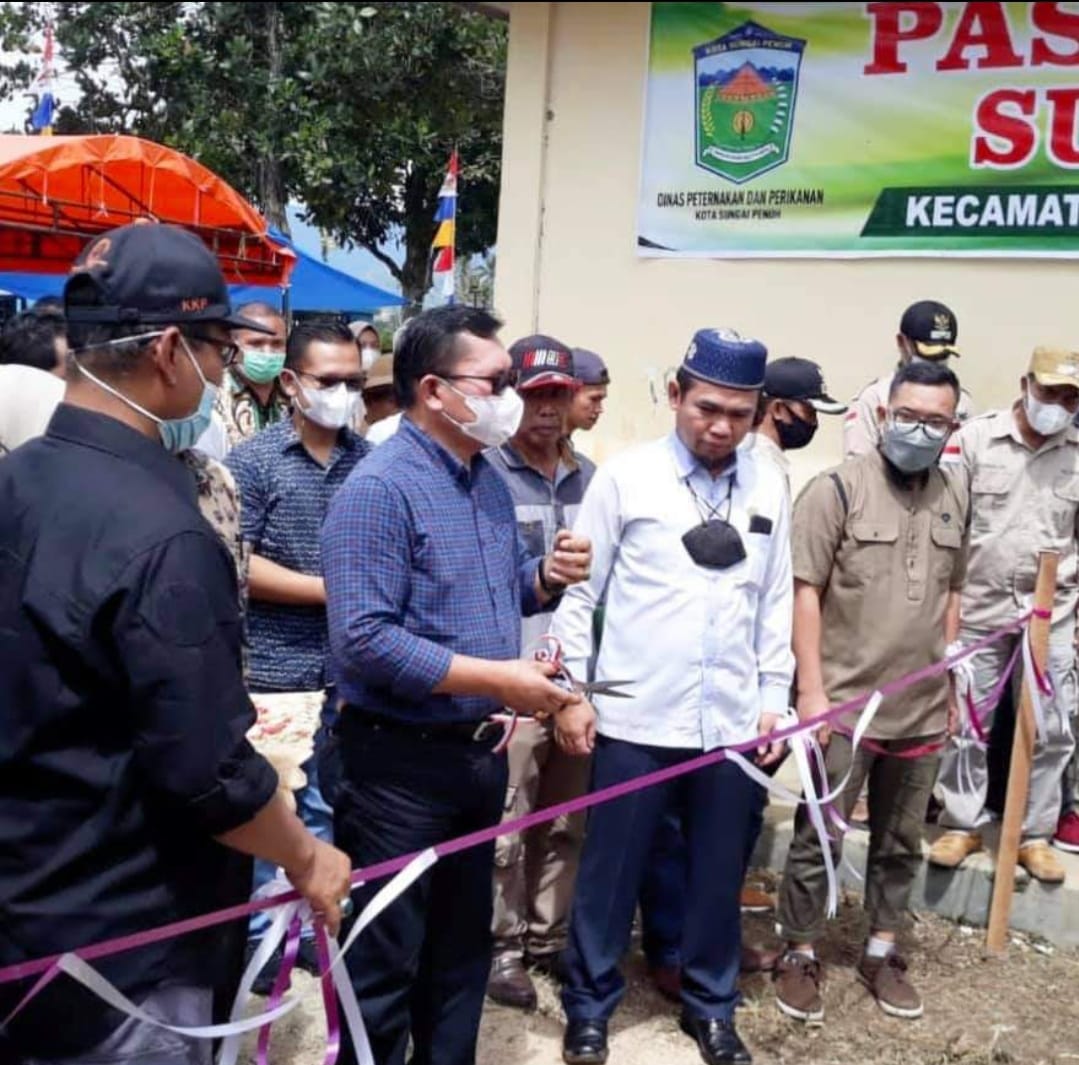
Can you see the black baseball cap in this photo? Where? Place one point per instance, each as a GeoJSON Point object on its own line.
{"type": "Point", "coordinates": [799, 379]}
{"type": "Point", "coordinates": [932, 328]}
{"type": "Point", "coordinates": [542, 362]}
{"type": "Point", "coordinates": [150, 274]}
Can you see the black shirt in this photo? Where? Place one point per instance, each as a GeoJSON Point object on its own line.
{"type": "Point", "coordinates": [122, 718]}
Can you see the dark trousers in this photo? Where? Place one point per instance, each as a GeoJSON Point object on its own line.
{"type": "Point", "coordinates": [663, 889]}
{"type": "Point", "coordinates": [663, 894]}
{"type": "Point", "coordinates": [720, 810]}
{"type": "Point", "coordinates": [420, 969]}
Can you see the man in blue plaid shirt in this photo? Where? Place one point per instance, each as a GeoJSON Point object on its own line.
{"type": "Point", "coordinates": [426, 582]}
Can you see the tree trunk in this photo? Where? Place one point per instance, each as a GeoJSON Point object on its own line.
{"type": "Point", "coordinates": [270, 182]}
{"type": "Point", "coordinates": [419, 232]}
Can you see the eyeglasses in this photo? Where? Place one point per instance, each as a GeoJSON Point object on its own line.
{"type": "Point", "coordinates": [499, 382]}
{"type": "Point", "coordinates": [228, 351]}
{"type": "Point", "coordinates": [352, 382]}
{"type": "Point", "coordinates": [936, 427]}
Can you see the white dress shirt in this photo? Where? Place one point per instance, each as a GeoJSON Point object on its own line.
{"type": "Point", "coordinates": [707, 651]}
{"type": "Point", "coordinates": [382, 430]}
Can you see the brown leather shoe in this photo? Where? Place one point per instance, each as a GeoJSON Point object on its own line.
{"type": "Point", "coordinates": [953, 848]}
{"type": "Point", "coordinates": [509, 983]}
{"type": "Point", "coordinates": [755, 901]}
{"type": "Point", "coordinates": [667, 980]}
{"type": "Point", "coordinates": [758, 961]}
{"type": "Point", "coordinates": [887, 980]}
{"type": "Point", "coordinates": [1039, 859]}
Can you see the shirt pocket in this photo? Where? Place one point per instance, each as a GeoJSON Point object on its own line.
{"type": "Point", "coordinates": [1065, 500]}
{"type": "Point", "coordinates": [989, 499]}
{"type": "Point", "coordinates": [947, 543]}
{"type": "Point", "coordinates": [870, 552]}
{"type": "Point", "coordinates": [533, 535]}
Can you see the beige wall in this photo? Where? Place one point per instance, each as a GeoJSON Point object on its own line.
{"type": "Point", "coordinates": [567, 264]}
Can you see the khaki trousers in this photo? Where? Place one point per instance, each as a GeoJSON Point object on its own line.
{"type": "Point", "coordinates": [535, 873]}
{"type": "Point", "coordinates": [963, 793]}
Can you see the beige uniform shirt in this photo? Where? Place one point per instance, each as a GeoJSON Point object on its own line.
{"type": "Point", "coordinates": [887, 551]}
{"type": "Point", "coordinates": [861, 430]}
{"type": "Point", "coordinates": [1022, 501]}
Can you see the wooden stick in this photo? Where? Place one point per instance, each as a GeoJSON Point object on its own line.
{"type": "Point", "coordinates": [1015, 805]}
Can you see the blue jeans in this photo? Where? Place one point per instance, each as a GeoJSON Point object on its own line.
{"type": "Point", "coordinates": [720, 809]}
{"type": "Point", "coordinates": [315, 813]}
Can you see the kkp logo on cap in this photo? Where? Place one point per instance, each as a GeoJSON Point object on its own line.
{"type": "Point", "coordinates": [150, 274]}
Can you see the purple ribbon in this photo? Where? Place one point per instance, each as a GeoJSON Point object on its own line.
{"type": "Point", "coordinates": [281, 984]}
{"type": "Point", "coordinates": [386, 868]}
{"type": "Point", "coordinates": [329, 995]}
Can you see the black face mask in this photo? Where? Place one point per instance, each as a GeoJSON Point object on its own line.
{"type": "Point", "coordinates": [795, 434]}
{"type": "Point", "coordinates": [715, 544]}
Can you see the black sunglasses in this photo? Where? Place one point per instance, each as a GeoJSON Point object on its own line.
{"type": "Point", "coordinates": [499, 382]}
{"type": "Point", "coordinates": [352, 383]}
{"type": "Point", "coordinates": [228, 351]}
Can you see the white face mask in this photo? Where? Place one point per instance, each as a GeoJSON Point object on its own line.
{"type": "Point", "coordinates": [332, 408]}
{"type": "Point", "coordinates": [369, 356]}
{"type": "Point", "coordinates": [497, 417]}
{"type": "Point", "coordinates": [1046, 419]}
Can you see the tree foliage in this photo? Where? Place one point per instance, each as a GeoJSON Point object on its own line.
{"type": "Point", "coordinates": [350, 109]}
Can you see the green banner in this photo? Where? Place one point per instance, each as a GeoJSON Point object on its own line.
{"type": "Point", "coordinates": [850, 129]}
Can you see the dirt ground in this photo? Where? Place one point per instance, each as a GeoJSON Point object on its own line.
{"type": "Point", "coordinates": [1023, 1010]}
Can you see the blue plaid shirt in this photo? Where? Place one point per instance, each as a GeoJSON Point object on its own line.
{"type": "Point", "coordinates": [284, 497]}
{"type": "Point", "coordinates": [422, 561]}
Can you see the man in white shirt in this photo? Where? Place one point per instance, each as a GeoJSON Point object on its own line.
{"type": "Point", "coordinates": [691, 545]}
{"type": "Point", "coordinates": [793, 396]}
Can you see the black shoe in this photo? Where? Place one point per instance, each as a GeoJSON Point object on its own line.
{"type": "Point", "coordinates": [265, 980]}
{"type": "Point", "coordinates": [307, 956]}
{"type": "Point", "coordinates": [585, 1043]}
{"type": "Point", "coordinates": [718, 1041]}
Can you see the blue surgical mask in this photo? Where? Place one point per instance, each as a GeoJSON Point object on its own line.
{"type": "Point", "coordinates": [177, 434]}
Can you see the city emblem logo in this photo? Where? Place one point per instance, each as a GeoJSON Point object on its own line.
{"type": "Point", "coordinates": [746, 85]}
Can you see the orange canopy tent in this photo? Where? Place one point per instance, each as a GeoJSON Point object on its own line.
{"type": "Point", "coordinates": [57, 192]}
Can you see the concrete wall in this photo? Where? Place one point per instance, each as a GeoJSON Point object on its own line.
{"type": "Point", "coordinates": [567, 264]}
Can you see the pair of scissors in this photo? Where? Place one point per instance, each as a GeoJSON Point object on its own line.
{"type": "Point", "coordinates": [549, 649]}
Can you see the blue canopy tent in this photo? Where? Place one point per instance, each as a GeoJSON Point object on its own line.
{"type": "Point", "coordinates": [314, 286]}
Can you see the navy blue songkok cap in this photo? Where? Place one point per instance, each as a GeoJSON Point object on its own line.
{"type": "Point", "coordinates": [722, 357]}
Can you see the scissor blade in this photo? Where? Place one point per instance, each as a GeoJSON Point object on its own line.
{"type": "Point", "coordinates": [608, 687]}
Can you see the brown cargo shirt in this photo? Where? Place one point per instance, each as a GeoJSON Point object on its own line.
{"type": "Point", "coordinates": [887, 549]}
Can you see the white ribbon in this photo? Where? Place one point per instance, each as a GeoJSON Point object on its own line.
{"type": "Point", "coordinates": [1030, 679]}
{"type": "Point", "coordinates": [80, 971]}
{"type": "Point", "coordinates": [230, 1048]}
{"type": "Point", "coordinates": [93, 981]}
{"type": "Point", "coordinates": [345, 991]}
{"type": "Point", "coordinates": [807, 750]}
